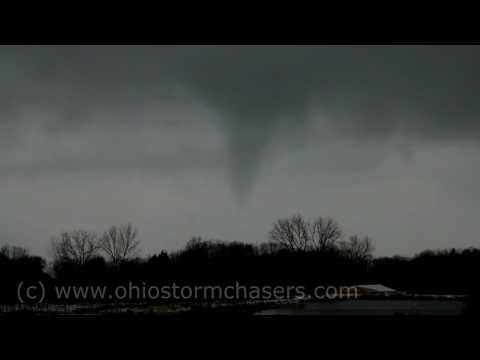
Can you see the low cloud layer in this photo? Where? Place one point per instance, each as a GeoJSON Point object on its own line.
{"type": "Point", "coordinates": [220, 140]}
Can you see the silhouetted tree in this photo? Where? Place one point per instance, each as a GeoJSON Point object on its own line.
{"type": "Point", "coordinates": [13, 252]}
{"type": "Point", "coordinates": [297, 234]}
{"type": "Point", "coordinates": [292, 233]}
{"type": "Point", "coordinates": [77, 246]}
{"type": "Point", "coordinates": [268, 248]}
{"type": "Point", "coordinates": [325, 232]}
{"type": "Point", "coordinates": [299, 252]}
{"type": "Point", "coordinates": [357, 249]}
{"type": "Point", "coordinates": [120, 243]}
{"type": "Point", "coordinates": [17, 265]}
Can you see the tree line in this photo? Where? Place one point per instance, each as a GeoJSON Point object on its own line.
{"type": "Point", "coordinates": [299, 252]}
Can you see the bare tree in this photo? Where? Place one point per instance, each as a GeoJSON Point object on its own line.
{"type": "Point", "coordinates": [13, 252]}
{"type": "Point", "coordinates": [296, 233]}
{"type": "Point", "coordinates": [120, 243]}
{"type": "Point", "coordinates": [77, 246]}
{"type": "Point", "coordinates": [357, 248]}
{"type": "Point", "coordinates": [268, 248]}
{"type": "Point", "coordinates": [324, 233]}
{"type": "Point", "coordinates": [291, 233]}
{"type": "Point", "coordinates": [194, 243]}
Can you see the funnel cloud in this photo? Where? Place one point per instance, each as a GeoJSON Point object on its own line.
{"type": "Point", "coordinates": [221, 140]}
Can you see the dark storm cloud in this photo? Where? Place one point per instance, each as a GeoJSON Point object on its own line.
{"type": "Point", "coordinates": [425, 92]}
{"type": "Point", "coordinates": [252, 85]}
{"type": "Point", "coordinates": [381, 137]}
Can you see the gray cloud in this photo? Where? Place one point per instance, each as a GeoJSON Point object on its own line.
{"type": "Point", "coordinates": [233, 113]}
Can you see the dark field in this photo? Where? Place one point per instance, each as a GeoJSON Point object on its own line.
{"type": "Point", "coordinates": [372, 308]}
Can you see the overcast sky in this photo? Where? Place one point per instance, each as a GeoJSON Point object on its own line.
{"type": "Point", "coordinates": [220, 141]}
